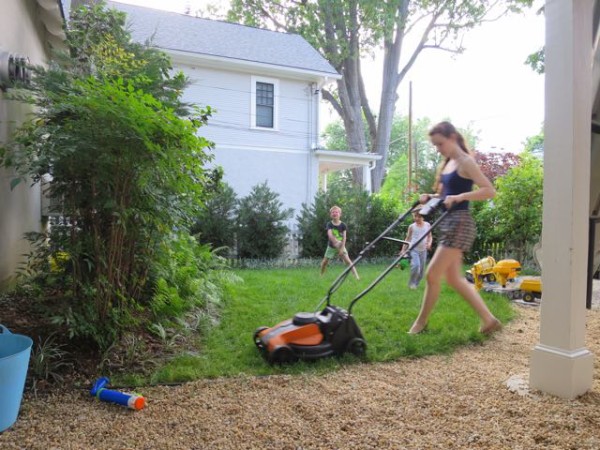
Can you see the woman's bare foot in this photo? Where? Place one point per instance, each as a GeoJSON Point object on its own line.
{"type": "Point", "coordinates": [417, 329]}
{"type": "Point", "coordinates": [492, 327]}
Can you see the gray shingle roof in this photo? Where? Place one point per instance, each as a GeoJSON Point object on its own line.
{"type": "Point", "coordinates": [179, 32]}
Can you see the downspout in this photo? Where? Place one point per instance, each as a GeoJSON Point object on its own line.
{"type": "Point", "coordinates": [310, 142]}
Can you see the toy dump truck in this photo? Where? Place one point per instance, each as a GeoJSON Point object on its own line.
{"type": "Point", "coordinates": [530, 289]}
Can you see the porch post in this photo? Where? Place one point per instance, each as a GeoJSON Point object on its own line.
{"type": "Point", "coordinates": [561, 364]}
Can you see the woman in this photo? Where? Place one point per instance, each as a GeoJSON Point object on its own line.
{"type": "Point", "coordinates": [454, 183]}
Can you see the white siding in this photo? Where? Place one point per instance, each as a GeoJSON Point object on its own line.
{"type": "Point", "coordinates": [250, 156]}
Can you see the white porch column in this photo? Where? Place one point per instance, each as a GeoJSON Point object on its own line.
{"type": "Point", "coordinates": [560, 363]}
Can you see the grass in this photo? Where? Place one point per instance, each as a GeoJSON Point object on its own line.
{"type": "Point", "coordinates": [269, 296]}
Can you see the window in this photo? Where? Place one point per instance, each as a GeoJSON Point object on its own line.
{"type": "Point", "coordinates": [264, 103]}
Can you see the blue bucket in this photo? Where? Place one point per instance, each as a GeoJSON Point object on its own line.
{"type": "Point", "coordinates": [15, 350]}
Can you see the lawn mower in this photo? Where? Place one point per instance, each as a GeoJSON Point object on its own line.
{"type": "Point", "coordinates": [331, 331]}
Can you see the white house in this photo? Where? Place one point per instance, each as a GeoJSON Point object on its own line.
{"type": "Point", "coordinates": [265, 89]}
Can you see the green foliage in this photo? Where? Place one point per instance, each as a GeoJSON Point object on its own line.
{"type": "Point", "coordinates": [262, 232]}
{"type": "Point", "coordinates": [186, 277]}
{"type": "Point", "coordinates": [217, 221]}
{"type": "Point", "coordinates": [366, 217]}
{"type": "Point", "coordinates": [48, 361]}
{"type": "Point", "coordinates": [537, 61]}
{"type": "Point", "coordinates": [519, 202]}
{"type": "Point", "coordinates": [126, 171]}
{"type": "Point", "coordinates": [535, 144]}
{"type": "Point", "coordinates": [514, 217]}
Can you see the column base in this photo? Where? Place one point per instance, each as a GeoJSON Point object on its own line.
{"type": "Point", "coordinates": [566, 374]}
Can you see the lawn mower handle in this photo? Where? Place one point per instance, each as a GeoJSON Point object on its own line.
{"type": "Point", "coordinates": [433, 204]}
{"type": "Point", "coordinates": [340, 279]}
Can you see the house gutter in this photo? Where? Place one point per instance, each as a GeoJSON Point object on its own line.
{"type": "Point", "coordinates": [185, 57]}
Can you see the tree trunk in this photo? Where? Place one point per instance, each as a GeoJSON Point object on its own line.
{"type": "Point", "coordinates": [389, 95]}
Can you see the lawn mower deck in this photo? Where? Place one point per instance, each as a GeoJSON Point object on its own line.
{"type": "Point", "coordinates": [331, 332]}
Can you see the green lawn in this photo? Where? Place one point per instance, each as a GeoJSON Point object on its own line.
{"type": "Point", "coordinates": [268, 296]}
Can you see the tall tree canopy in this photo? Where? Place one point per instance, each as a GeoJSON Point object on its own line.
{"type": "Point", "coordinates": [345, 31]}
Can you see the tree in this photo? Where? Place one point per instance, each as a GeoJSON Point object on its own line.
{"type": "Point", "coordinates": [216, 223]}
{"type": "Point", "coordinates": [494, 165]}
{"type": "Point", "coordinates": [518, 204]}
{"type": "Point", "coordinates": [262, 232]}
{"type": "Point", "coordinates": [535, 144]}
{"type": "Point", "coordinates": [345, 31]}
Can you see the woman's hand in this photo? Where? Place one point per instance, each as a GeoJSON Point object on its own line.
{"type": "Point", "coordinates": [424, 198]}
{"type": "Point", "coordinates": [452, 199]}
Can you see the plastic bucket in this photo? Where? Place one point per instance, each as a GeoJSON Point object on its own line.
{"type": "Point", "coordinates": [15, 350]}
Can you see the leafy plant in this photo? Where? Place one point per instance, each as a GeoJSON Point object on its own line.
{"type": "Point", "coordinates": [48, 359]}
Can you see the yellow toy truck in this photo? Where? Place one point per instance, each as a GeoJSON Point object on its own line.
{"type": "Point", "coordinates": [488, 270]}
{"type": "Point", "coordinates": [530, 289]}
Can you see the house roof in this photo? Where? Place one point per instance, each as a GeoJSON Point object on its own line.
{"type": "Point", "coordinates": [203, 37]}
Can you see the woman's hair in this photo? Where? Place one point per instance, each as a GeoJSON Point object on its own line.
{"type": "Point", "coordinates": [447, 130]}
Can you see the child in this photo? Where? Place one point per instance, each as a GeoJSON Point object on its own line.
{"type": "Point", "coordinates": [336, 240]}
{"type": "Point", "coordinates": [418, 255]}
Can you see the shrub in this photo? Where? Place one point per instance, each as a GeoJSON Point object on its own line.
{"type": "Point", "coordinates": [366, 216]}
{"type": "Point", "coordinates": [216, 223]}
{"type": "Point", "coordinates": [262, 232]}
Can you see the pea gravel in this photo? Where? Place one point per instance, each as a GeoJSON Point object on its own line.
{"type": "Point", "coordinates": [476, 398]}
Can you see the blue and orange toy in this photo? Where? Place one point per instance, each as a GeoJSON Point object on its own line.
{"type": "Point", "coordinates": [132, 401]}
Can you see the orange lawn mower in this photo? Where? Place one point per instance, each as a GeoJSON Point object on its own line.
{"type": "Point", "coordinates": [331, 331]}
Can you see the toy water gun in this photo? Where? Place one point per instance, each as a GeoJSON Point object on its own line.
{"type": "Point", "coordinates": [132, 401]}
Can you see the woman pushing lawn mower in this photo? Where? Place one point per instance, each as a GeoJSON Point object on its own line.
{"type": "Point", "coordinates": [333, 330]}
{"type": "Point", "coordinates": [454, 183]}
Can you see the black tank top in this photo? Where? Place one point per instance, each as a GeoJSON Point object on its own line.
{"type": "Point", "coordinates": [454, 184]}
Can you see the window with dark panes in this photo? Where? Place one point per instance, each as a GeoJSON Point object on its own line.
{"type": "Point", "coordinates": [265, 104]}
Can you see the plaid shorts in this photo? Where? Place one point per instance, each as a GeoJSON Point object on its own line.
{"type": "Point", "coordinates": [458, 230]}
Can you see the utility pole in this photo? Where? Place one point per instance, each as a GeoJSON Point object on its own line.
{"type": "Point", "coordinates": [410, 136]}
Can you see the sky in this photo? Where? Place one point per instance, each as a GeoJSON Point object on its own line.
{"type": "Point", "coordinates": [487, 89]}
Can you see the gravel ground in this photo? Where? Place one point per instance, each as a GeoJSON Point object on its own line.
{"type": "Point", "coordinates": [475, 399]}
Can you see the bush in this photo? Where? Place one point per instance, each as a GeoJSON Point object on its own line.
{"type": "Point", "coordinates": [216, 223]}
{"type": "Point", "coordinates": [261, 229]}
{"type": "Point", "coordinates": [366, 216]}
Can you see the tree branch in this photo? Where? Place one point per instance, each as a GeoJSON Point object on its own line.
{"type": "Point", "coordinates": [334, 102]}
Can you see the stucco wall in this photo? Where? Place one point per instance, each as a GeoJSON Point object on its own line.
{"type": "Point", "coordinates": [22, 33]}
